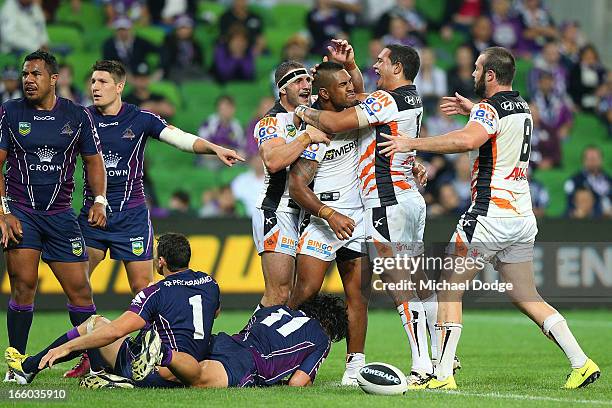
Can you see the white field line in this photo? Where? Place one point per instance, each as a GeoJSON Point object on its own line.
{"type": "Point", "coordinates": [519, 319]}
{"type": "Point", "coordinates": [527, 397]}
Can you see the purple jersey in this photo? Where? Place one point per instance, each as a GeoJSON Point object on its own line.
{"type": "Point", "coordinates": [123, 138]}
{"type": "Point", "coordinates": [181, 308]}
{"type": "Point", "coordinates": [282, 341]}
{"type": "Point", "coordinates": [42, 147]}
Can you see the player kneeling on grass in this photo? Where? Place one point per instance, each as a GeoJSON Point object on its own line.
{"type": "Point", "coordinates": [181, 308]}
{"type": "Point", "coordinates": [278, 346]}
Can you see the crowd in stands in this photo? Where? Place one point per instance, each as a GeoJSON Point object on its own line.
{"type": "Point", "coordinates": [566, 77]}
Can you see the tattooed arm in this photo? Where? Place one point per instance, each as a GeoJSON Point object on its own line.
{"type": "Point", "coordinates": [300, 176]}
{"type": "Point", "coordinates": [333, 122]}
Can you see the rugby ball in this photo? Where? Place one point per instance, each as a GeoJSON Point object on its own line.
{"type": "Point", "coordinates": [382, 379]}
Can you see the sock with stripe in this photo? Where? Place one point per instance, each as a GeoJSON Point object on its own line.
{"type": "Point", "coordinates": [30, 364]}
{"type": "Point", "coordinates": [354, 363]}
{"type": "Point", "coordinates": [18, 323]}
{"type": "Point", "coordinates": [78, 314]}
{"type": "Point", "coordinates": [431, 312]}
{"type": "Point", "coordinates": [448, 337]}
{"type": "Point", "coordinates": [413, 318]}
{"type": "Point", "coordinates": [555, 327]}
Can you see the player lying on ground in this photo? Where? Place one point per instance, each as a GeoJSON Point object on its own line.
{"type": "Point", "coordinates": [40, 137]}
{"type": "Point", "coordinates": [394, 208]}
{"type": "Point", "coordinates": [278, 346]}
{"type": "Point", "coordinates": [124, 130]}
{"type": "Point", "coordinates": [181, 309]}
{"type": "Point", "coordinates": [499, 226]}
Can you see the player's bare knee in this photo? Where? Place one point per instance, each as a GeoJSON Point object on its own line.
{"type": "Point", "coordinates": [92, 323]}
{"type": "Point", "coordinates": [23, 292]}
{"type": "Point", "coordinates": [138, 285]}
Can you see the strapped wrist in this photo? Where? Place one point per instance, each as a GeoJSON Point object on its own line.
{"type": "Point", "coordinates": [4, 208]}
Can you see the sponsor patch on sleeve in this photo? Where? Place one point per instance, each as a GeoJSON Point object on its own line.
{"type": "Point", "coordinates": [380, 106]}
{"type": "Point", "coordinates": [484, 114]}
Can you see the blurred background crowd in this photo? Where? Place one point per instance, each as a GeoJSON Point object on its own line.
{"type": "Point", "coordinates": [207, 67]}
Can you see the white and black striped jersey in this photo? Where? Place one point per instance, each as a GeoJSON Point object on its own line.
{"type": "Point", "coordinates": [499, 167]}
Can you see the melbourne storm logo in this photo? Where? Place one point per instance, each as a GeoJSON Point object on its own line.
{"type": "Point", "coordinates": [111, 161]}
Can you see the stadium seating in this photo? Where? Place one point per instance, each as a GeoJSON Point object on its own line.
{"type": "Point", "coordinates": [65, 39]}
{"type": "Point", "coordinates": [78, 37]}
{"type": "Point", "coordinates": [89, 15]}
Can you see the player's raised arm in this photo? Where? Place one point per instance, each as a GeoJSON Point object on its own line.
{"type": "Point", "coordinates": [483, 124]}
{"type": "Point", "coordinates": [333, 122]}
{"type": "Point", "coordinates": [342, 52]}
{"type": "Point", "coordinates": [301, 175]}
{"type": "Point", "coordinates": [277, 154]}
{"type": "Point", "coordinates": [456, 105]}
{"type": "Point", "coordinates": [188, 142]}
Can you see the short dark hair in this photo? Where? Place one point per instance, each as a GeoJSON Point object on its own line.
{"type": "Point", "coordinates": [175, 249]}
{"type": "Point", "coordinates": [322, 77]}
{"type": "Point", "coordinates": [501, 61]}
{"type": "Point", "coordinates": [114, 68]}
{"type": "Point", "coordinates": [408, 57]}
{"type": "Point", "coordinates": [226, 98]}
{"type": "Point", "coordinates": [182, 195]}
{"type": "Point", "coordinates": [330, 311]}
{"type": "Point", "coordinates": [285, 67]}
{"type": "Point", "coordinates": [50, 60]}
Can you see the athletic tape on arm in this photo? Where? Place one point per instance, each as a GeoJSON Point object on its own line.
{"type": "Point", "coordinates": [177, 138]}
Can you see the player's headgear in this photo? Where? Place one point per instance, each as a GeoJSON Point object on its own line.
{"type": "Point", "coordinates": [289, 72]}
{"type": "Point", "coordinates": [330, 311]}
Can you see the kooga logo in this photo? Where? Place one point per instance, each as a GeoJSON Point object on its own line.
{"type": "Point", "coordinates": [382, 374]}
{"type": "Point", "coordinates": [44, 117]}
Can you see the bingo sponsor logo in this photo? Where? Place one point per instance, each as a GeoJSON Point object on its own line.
{"type": "Point", "coordinates": [319, 247]}
{"type": "Point", "coordinates": [288, 243]}
{"type": "Point", "coordinates": [267, 129]}
{"type": "Point", "coordinates": [377, 101]}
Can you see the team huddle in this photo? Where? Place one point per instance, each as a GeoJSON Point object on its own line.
{"type": "Point", "coordinates": [341, 183]}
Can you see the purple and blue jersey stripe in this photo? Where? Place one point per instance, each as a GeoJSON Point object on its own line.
{"type": "Point", "coordinates": [182, 309]}
{"type": "Point", "coordinates": [282, 341]}
{"type": "Point", "coordinates": [42, 147]}
{"type": "Point", "coordinates": [123, 138]}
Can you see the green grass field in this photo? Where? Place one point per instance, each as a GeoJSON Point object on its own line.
{"type": "Point", "coordinates": [506, 360]}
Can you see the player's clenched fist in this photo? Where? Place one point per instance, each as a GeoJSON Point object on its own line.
{"type": "Point", "coordinates": [11, 229]}
{"type": "Point", "coordinates": [342, 225]}
{"type": "Point", "coordinates": [97, 215]}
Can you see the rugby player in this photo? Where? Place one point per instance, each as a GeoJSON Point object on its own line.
{"type": "Point", "coordinates": [499, 226]}
{"type": "Point", "coordinates": [180, 308]}
{"type": "Point", "coordinates": [394, 208]}
{"type": "Point", "coordinates": [275, 222]}
{"type": "Point", "coordinates": [278, 346]}
{"type": "Point", "coordinates": [334, 230]}
{"type": "Point", "coordinates": [124, 130]}
{"type": "Point", "coordinates": [40, 137]}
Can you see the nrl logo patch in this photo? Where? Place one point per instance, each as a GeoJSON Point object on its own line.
{"type": "Point", "coordinates": [25, 128]}
{"type": "Point", "coordinates": [77, 248]}
{"type": "Point", "coordinates": [291, 130]}
{"type": "Point", "coordinates": [128, 134]}
{"type": "Point", "coordinates": [67, 130]}
{"type": "Point", "coordinates": [137, 248]}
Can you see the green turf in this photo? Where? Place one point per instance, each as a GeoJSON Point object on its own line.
{"type": "Point", "coordinates": [507, 362]}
